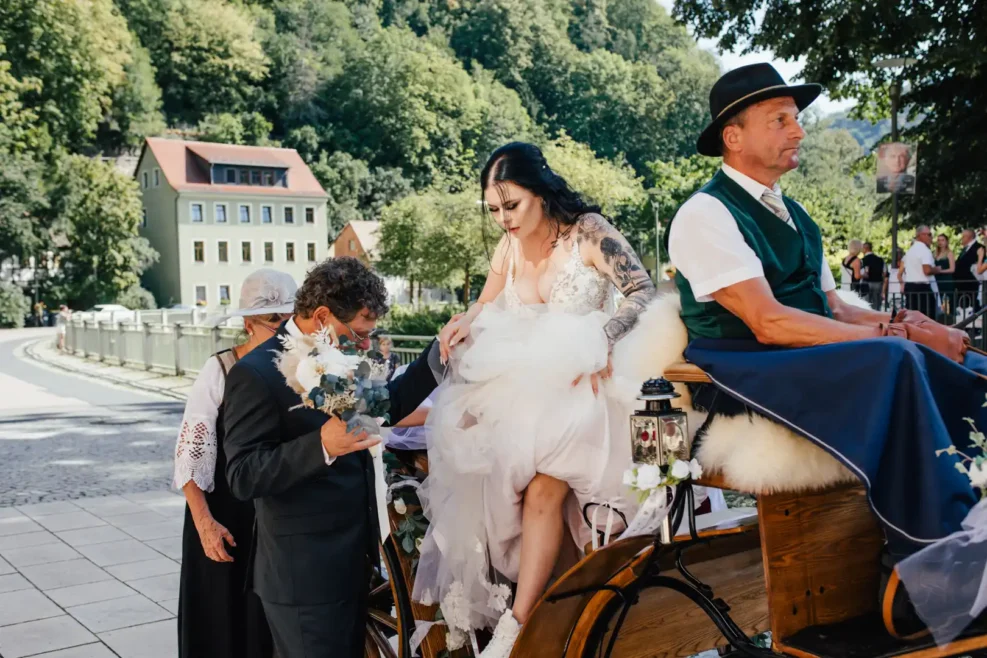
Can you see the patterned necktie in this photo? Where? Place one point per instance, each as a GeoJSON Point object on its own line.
{"type": "Point", "coordinates": [776, 204]}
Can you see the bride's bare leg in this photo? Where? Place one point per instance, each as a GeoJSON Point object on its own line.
{"type": "Point", "coordinates": [542, 528]}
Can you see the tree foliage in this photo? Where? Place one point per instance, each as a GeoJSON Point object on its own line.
{"type": "Point", "coordinates": [14, 305]}
{"type": "Point", "coordinates": [842, 40]}
{"type": "Point", "coordinates": [98, 211]}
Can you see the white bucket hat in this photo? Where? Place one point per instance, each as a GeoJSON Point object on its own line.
{"type": "Point", "coordinates": [264, 292]}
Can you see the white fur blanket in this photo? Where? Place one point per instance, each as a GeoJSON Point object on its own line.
{"type": "Point", "coordinates": [753, 454]}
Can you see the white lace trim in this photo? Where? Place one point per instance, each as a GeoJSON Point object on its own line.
{"type": "Point", "coordinates": [195, 454]}
{"type": "Point", "coordinates": [195, 449]}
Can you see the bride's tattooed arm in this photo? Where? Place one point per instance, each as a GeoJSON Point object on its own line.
{"type": "Point", "coordinates": [614, 257]}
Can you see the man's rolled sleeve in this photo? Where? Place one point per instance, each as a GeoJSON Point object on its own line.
{"type": "Point", "coordinates": [705, 245]}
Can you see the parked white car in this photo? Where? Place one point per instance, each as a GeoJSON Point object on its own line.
{"type": "Point", "coordinates": [110, 313]}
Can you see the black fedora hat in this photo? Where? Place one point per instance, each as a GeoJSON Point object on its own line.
{"type": "Point", "coordinates": [741, 88]}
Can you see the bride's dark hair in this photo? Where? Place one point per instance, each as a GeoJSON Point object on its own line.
{"type": "Point", "coordinates": [524, 165]}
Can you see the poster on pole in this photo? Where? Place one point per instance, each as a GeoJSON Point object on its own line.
{"type": "Point", "coordinates": [897, 163]}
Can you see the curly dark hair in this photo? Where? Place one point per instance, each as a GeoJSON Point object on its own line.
{"type": "Point", "coordinates": [345, 286]}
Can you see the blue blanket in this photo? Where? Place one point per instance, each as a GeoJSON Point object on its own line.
{"type": "Point", "coordinates": [882, 407]}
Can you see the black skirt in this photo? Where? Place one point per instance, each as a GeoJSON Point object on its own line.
{"type": "Point", "coordinates": [218, 617]}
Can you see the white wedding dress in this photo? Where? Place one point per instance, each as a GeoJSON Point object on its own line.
{"type": "Point", "coordinates": [507, 411]}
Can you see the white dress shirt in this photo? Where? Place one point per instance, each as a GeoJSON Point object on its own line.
{"type": "Point", "coordinates": [918, 255]}
{"type": "Point", "coordinates": [707, 247]}
{"type": "Point", "coordinates": [295, 332]}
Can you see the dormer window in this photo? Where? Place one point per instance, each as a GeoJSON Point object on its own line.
{"type": "Point", "coordinates": [269, 178]}
{"type": "Point", "coordinates": [231, 175]}
{"type": "Point", "coordinates": [255, 177]}
{"type": "Point", "coordinates": [244, 177]}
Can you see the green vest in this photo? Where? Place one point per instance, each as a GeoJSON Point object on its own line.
{"type": "Point", "coordinates": [790, 260]}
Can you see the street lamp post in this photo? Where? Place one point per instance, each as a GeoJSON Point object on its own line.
{"type": "Point", "coordinates": [895, 63]}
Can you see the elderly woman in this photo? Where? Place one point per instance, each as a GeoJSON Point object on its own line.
{"type": "Point", "coordinates": [217, 616]}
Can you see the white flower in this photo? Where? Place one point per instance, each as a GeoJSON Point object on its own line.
{"type": "Point", "coordinates": [630, 479]}
{"type": "Point", "coordinates": [648, 477]}
{"type": "Point", "coordinates": [499, 594]}
{"type": "Point", "coordinates": [695, 469]}
{"type": "Point", "coordinates": [308, 374]}
{"type": "Point", "coordinates": [680, 469]}
{"type": "Point", "coordinates": [455, 639]}
{"type": "Point", "coordinates": [336, 363]}
{"type": "Point", "coordinates": [399, 506]}
{"type": "Point", "coordinates": [455, 607]}
{"type": "Point", "coordinates": [978, 475]}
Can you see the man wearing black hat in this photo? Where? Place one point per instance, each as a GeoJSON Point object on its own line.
{"type": "Point", "coordinates": [750, 261]}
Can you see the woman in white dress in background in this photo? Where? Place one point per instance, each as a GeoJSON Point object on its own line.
{"type": "Point", "coordinates": [531, 424]}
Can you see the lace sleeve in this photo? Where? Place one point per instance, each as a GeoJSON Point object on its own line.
{"type": "Point", "coordinates": [195, 450]}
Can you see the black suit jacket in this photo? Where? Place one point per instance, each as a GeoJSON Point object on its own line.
{"type": "Point", "coordinates": [316, 525]}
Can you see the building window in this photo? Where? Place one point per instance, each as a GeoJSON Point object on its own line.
{"type": "Point", "coordinates": [269, 252]}
{"type": "Point", "coordinates": [200, 296]}
{"type": "Point", "coordinates": [311, 252]}
{"type": "Point", "coordinates": [246, 254]}
{"type": "Point", "coordinates": [289, 252]}
{"type": "Point", "coordinates": [310, 215]}
{"type": "Point", "coordinates": [289, 215]}
{"type": "Point", "coordinates": [231, 175]}
{"type": "Point", "coordinates": [224, 295]}
{"type": "Point", "coordinates": [254, 177]}
{"type": "Point", "coordinates": [224, 251]}
{"type": "Point", "coordinates": [352, 245]}
{"type": "Point", "coordinates": [266, 215]}
{"type": "Point", "coordinates": [269, 178]}
{"type": "Point", "coordinates": [157, 177]}
{"type": "Point", "coordinates": [144, 176]}
{"type": "Point", "coordinates": [244, 214]}
{"type": "Point", "coordinates": [196, 213]}
{"type": "Point", "coordinates": [143, 217]}
{"type": "Point", "coordinates": [220, 212]}
{"type": "Point", "coordinates": [199, 251]}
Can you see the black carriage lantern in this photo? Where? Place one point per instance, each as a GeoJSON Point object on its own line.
{"type": "Point", "coordinates": [659, 431]}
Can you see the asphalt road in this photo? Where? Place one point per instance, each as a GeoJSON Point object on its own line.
{"type": "Point", "coordinates": [66, 437]}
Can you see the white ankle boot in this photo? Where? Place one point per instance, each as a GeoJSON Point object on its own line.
{"type": "Point", "coordinates": [503, 638]}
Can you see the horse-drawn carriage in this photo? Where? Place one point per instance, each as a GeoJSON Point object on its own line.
{"type": "Point", "coordinates": [803, 564]}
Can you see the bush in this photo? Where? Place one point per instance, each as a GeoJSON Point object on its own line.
{"type": "Point", "coordinates": [137, 299]}
{"type": "Point", "coordinates": [14, 305]}
{"type": "Point", "coordinates": [421, 321]}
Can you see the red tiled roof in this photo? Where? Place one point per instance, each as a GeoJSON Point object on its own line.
{"type": "Point", "coordinates": [186, 166]}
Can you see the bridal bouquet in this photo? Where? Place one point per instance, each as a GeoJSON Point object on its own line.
{"type": "Point", "coordinates": [331, 375]}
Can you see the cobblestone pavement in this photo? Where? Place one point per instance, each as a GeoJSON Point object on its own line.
{"type": "Point", "coordinates": [65, 437]}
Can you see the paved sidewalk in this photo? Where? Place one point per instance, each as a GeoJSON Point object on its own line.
{"type": "Point", "coordinates": [45, 352]}
{"type": "Point", "coordinates": [91, 578]}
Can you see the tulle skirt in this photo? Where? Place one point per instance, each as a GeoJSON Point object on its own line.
{"type": "Point", "coordinates": [507, 411]}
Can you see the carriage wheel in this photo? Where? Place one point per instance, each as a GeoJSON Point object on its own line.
{"type": "Point", "coordinates": [389, 596]}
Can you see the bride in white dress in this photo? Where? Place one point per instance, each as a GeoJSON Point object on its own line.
{"type": "Point", "coordinates": [531, 424]}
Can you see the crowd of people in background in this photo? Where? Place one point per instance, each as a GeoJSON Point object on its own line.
{"type": "Point", "coordinates": [930, 276]}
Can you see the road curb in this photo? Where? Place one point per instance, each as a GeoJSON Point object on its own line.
{"type": "Point", "coordinates": [29, 351]}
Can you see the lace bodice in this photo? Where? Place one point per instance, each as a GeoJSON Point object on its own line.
{"type": "Point", "coordinates": [578, 288]}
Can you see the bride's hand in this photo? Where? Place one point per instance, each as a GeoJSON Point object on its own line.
{"type": "Point", "coordinates": [595, 378]}
{"type": "Point", "coordinates": [455, 331]}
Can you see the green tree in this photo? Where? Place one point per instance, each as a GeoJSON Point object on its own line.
{"type": "Point", "coordinates": [612, 185]}
{"type": "Point", "coordinates": [73, 55]}
{"type": "Point", "coordinates": [136, 106]}
{"type": "Point", "coordinates": [14, 305]}
{"type": "Point", "coordinates": [137, 298]}
{"type": "Point", "coordinates": [23, 205]}
{"type": "Point", "coordinates": [247, 128]}
{"type": "Point", "coordinates": [208, 57]}
{"type": "Point", "coordinates": [19, 129]}
{"type": "Point", "coordinates": [402, 102]}
{"type": "Point", "coordinates": [355, 191]}
{"type": "Point", "coordinates": [840, 42]}
{"type": "Point", "coordinates": [98, 211]}
{"type": "Point", "coordinates": [308, 43]}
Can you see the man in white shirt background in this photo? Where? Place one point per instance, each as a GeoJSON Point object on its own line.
{"type": "Point", "coordinates": [918, 273]}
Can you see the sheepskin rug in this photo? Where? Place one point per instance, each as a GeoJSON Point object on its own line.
{"type": "Point", "coordinates": [753, 454]}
